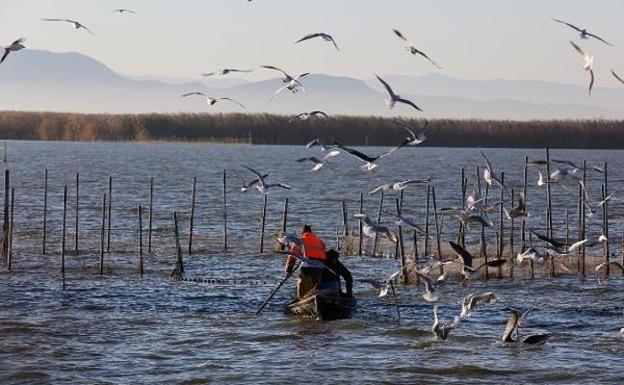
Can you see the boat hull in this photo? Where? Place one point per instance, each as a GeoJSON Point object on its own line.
{"type": "Point", "coordinates": [323, 307]}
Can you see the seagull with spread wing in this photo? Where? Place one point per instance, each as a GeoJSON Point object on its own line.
{"type": "Point", "coordinates": [77, 25]}
{"type": "Point", "coordinates": [369, 161]}
{"type": "Point", "coordinates": [309, 115]}
{"type": "Point", "coordinates": [583, 32]}
{"type": "Point", "coordinates": [394, 98]}
{"type": "Point", "coordinates": [209, 100]}
{"type": "Point", "coordinates": [413, 50]}
{"type": "Point", "coordinates": [292, 83]}
{"type": "Point", "coordinates": [414, 138]}
{"type": "Point", "coordinates": [322, 35]}
{"type": "Point", "coordinates": [123, 10]}
{"type": "Point", "coordinates": [15, 46]}
{"type": "Point", "coordinates": [264, 187]}
{"type": "Point", "coordinates": [588, 65]}
{"type": "Point", "coordinates": [225, 71]}
{"type": "Point", "coordinates": [615, 75]}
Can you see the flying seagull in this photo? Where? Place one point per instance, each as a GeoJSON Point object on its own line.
{"type": "Point", "coordinates": [489, 176]}
{"type": "Point", "coordinates": [320, 142]}
{"type": "Point", "coordinates": [371, 229]}
{"type": "Point", "coordinates": [77, 25]}
{"type": "Point", "coordinates": [605, 264]}
{"type": "Point", "coordinates": [123, 10]}
{"type": "Point", "coordinates": [369, 161]}
{"type": "Point", "coordinates": [394, 98]}
{"type": "Point", "coordinates": [322, 35]}
{"type": "Point", "coordinates": [15, 46]}
{"type": "Point", "coordinates": [560, 248]}
{"type": "Point", "coordinates": [245, 186]}
{"type": "Point", "coordinates": [520, 210]}
{"type": "Point", "coordinates": [583, 32]}
{"type": "Point", "coordinates": [413, 138]}
{"type": "Point", "coordinates": [308, 115]}
{"type": "Point", "coordinates": [588, 66]}
{"type": "Point", "coordinates": [413, 50]}
{"type": "Point", "coordinates": [468, 272]}
{"type": "Point", "coordinates": [292, 83]}
{"type": "Point", "coordinates": [209, 100]}
{"type": "Point", "coordinates": [441, 330]}
{"type": "Point", "coordinates": [318, 164]}
{"type": "Point", "coordinates": [263, 188]}
{"type": "Point", "coordinates": [429, 295]}
{"type": "Point", "coordinates": [472, 301]}
{"type": "Point", "coordinates": [225, 71]}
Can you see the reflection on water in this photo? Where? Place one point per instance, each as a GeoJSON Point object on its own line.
{"type": "Point", "coordinates": [120, 328]}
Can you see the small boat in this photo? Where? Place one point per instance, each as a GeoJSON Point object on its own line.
{"type": "Point", "coordinates": [325, 307]}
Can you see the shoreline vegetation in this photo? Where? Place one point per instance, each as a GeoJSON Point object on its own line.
{"type": "Point", "coordinates": [277, 129]}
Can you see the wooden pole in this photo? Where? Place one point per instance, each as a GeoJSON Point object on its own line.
{"type": "Point", "coordinates": [523, 235]}
{"type": "Point", "coordinates": [225, 232]}
{"type": "Point", "coordinates": [426, 245]}
{"type": "Point", "coordinates": [10, 253]}
{"type": "Point", "coordinates": [110, 212]}
{"type": "Point", "coordinates": [579, 219]}
{"type": "Point", "coordinates": [281, 246]}
{"type": "Point", "coordinates": [45, 212]}
{"type": "Point", "coordinates": [584, 219]}
{"type": "Point", "coordinates": [264, 208]}
{"type": "Point", "coordinates": [567, 226]}
{"type": "Point", "coordinates": [549, 222]}
{"type": "Point", "coordinates": [151, 211]}
{"type": "Point", "coordinates": [460, 227]}
{"type": "Point", "coordinates": [437, 228]}
{"type": "Point", "coordinates": [400, 248]}
{"type": "Point", "coordinates": [192, 217]}
{"type": "Point", "coordinates": [176, 233]}
{"type": "Point", "coordinates": [605, 211]}
{"type": "Point", "coordinates": [76, 230]}
{"type": "Point", "coordinates": [401, 244]}
{"type": "Point", "coordinates": [361, 228]}
{"type": "Point", "coordinates": [141, 240]}
{"type": "Point", "coordinates": [103, 234]}
{"type": "Point", "coordinates": [5, 228]}
{"type": "Point", "coordinates": [604, 231]}
{"type": "Point", "coordinates": [501, 229]}
{"type": "Point", "coordinates": [376, 239]}
{"type": "Point", "coordinates": [486, 270]}
{"type": "Point", "coordinates": [511, 238]}
{"type": "Point", "coordinates": [345, 227]}
{"type": "Point", "coordinates": [63, 237]}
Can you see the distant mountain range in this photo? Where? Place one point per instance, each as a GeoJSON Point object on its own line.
{"type": "Point", "coordinates": [70, 82]}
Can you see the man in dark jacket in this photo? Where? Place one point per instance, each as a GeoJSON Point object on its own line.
{"type": "Point", "coordinates": [330, 282]}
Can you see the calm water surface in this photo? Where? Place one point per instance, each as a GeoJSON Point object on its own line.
{"type": "Point", "coordinates": [120, 328]}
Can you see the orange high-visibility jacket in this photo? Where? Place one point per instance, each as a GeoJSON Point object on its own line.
{"type": "Point", "coordinates": [314, 247]}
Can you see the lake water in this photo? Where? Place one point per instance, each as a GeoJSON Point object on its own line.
{"type": "Point", "coordinates": [120, 328]}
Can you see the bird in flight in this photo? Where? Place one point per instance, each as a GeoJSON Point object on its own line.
{"type": "Point", "coordinates": [369, 161]}
{"type": "Point", "coordinates": [414, 138]}
{"type": "Point", "coordinates": [209, 100]}
{"type": "Point", "coordinates": [308, 115]}
{"type": "Point", "coordinates": [322, 35]}
{"type": "Point", "coordinates": [292, 83]}
{"type": "Point", "coordinates": [615, 75]}
{"type": "Point", "coordinates": [413, 50]}
{"type": "Point", "coordinates": [588, 66]}
{"type": "Point", "coordinates": [15, 46]}
{"type": "Point", "coordinates": [225, 71]}
{"type": "Point", "coordinates": [123, 10]}
{"type": "Point", "coordinates": [394, 98]}
{"type": "Point", "coordinates": [583, 32]}
{"type": "Point", "coordinates": [77, 24]}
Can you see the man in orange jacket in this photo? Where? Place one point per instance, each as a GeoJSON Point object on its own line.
{"type": "Point", "coordinates": [311, 271]}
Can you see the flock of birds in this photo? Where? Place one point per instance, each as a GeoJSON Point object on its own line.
{"type": "Point", "coordinates": [474, 212]}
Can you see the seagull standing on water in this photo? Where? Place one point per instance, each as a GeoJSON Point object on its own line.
{"type": "Point", "coordinates": [14, 47]}
{"type": "Point", "coordinates": [77, 25]}
{"type": "Point", "coordinates": [411, 49]}
{"type": "Point", "coordinates": [583, 32]}
{"type": "Point", "coordinates": [322, 35]}
{"type": "Point", "coordinates": [394, 98]}
{"type": "Point", "coordinates": [209, 100]}
{"type": "Point", "coordinates": [588, 65]}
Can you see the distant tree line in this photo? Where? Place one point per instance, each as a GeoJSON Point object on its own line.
{"type": "Point", "coordinates": [278, 129]}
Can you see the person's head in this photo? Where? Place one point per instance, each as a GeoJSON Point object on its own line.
{"type": "Point", "coordinates": [332, 256]}
{"type": "Point", "coordinates": [306, 229]}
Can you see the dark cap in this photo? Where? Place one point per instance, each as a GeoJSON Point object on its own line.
{"type": "Point", "coordinates": [332, 254]}
{"type": "Point", "coordinates": [306, 229]}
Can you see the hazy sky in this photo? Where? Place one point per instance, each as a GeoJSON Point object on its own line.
{"type": "Point", "coordinates": [471, 39]}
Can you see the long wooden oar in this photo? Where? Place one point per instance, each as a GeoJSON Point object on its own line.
{"type": "Point", "coordinates": [266, 302]}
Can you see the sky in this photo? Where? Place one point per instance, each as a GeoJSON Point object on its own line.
{"type": "Point", "coordinates": [470, 39]}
